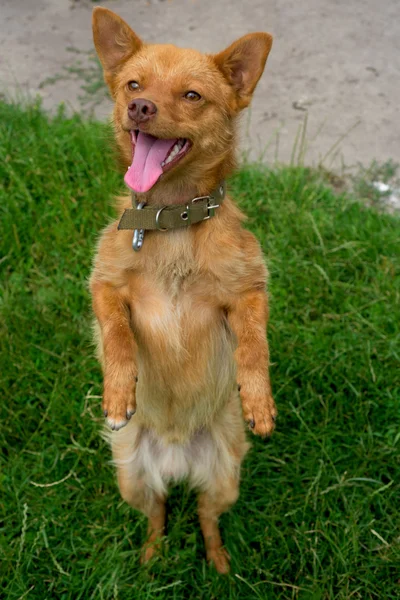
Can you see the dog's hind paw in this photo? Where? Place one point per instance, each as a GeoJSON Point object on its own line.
{"type": "Point", "coordinates": [220, 558]}
{"type": "Point", "coordinates": [150, 550]}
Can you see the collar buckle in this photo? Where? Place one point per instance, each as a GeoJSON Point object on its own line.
{"type": "Point", "coordinates": [209, 206]}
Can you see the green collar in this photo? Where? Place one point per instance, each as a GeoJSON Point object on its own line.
{"type": "Point", "coordinates": [162, 218]}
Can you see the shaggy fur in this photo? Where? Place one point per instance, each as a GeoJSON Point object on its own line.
{"type": "Point", "coordinates": [182, 322]}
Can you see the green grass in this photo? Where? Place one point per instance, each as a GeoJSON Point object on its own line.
{"type": "Point", "coordinates": [318, 513]}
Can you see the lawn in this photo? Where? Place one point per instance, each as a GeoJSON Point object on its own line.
{"type": "Point", "coordinates": [318, 516]}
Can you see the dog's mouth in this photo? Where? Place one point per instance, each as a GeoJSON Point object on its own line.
{"type": "Point", "coordinates": [151, 157]}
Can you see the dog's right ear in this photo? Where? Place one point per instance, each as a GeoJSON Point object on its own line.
{"type": "Point", "coordinates": [114, 40]}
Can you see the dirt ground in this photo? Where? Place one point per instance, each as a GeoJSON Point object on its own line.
{"type": "Point", "coordinates": [336, 62]}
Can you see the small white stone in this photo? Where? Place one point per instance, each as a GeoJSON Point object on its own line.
{"type": "Point", "coordinates": [381, 186]}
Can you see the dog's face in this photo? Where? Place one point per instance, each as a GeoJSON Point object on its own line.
{"type": "Point", "coordinates": [174, 107]}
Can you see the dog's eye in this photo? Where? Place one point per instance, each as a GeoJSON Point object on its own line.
{"type": "Point", "coordinates": [193, 96]}
{"type": "Point", "coordinates": [133, 85]}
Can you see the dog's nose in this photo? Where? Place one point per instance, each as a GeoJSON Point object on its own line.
{"type": "Point", "coordinates": [141, 110]}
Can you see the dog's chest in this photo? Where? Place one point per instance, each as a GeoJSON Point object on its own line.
{"type": "Point", "coordinates": [170, 299]}
{"type": "Point", "coordinates": [172, 271]}
{"type": "Point", "coordinates": [176, 278]}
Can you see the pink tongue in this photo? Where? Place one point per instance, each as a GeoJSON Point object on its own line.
{"type": "Point", "coordinates": [146, 168]}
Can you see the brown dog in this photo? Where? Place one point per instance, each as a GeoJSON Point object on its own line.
{"type": "Point", "coordinates": [181, 322]}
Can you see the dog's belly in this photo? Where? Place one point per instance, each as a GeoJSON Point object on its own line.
{"type": "Point", "coordinates": [209, 454]}
{"type": "Point", "coordinates": [164, 463]}
{"type": "Point", "coordinates": [186, 367]}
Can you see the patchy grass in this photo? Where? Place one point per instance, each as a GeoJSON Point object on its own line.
{"type": "Point", "coordinates": [318, 513]}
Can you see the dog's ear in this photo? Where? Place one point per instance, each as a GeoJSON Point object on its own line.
{"type": "Point", "coordinates": [114, 40]}
{"type": "Point", "coordinates": [243, 63]}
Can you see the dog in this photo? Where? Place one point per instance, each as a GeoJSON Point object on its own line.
{"type": "Point", "coordinates": [178, 285]}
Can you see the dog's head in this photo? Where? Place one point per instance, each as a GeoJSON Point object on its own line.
{"type": "Point", "coordinates": [174, 108]}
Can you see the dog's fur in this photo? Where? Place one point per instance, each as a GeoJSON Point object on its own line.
{"type": "Point", "coordinates": [182, 322]}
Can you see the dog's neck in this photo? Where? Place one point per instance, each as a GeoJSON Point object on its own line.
{"type": "Point", "coordinates": [169, 194]}
{"type": "Point", "coordinates": [179, 190]}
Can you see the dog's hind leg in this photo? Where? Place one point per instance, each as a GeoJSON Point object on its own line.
{"type": "Point", "coordinates": [218, 498]}
{"type": "Point", "coordinates": [143, 498]}
{"type": "Point", "coordinates": [155, 529]}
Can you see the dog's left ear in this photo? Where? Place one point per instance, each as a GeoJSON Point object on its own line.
{"type": "Point", "coordinates": [243, 63]}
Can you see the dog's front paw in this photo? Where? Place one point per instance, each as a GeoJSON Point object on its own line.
{"type": "Point", "coordinates": [119, 403]}
{"type": "Point", "coordinates": [259, 412]}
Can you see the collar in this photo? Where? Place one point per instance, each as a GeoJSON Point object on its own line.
{"type": "Point", "coordinates": [163, 218]}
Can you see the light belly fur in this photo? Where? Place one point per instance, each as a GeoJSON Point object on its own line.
{"type": "Point", "coordinates": [211, 454]}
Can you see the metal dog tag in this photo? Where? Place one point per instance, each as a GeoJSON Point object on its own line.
{"type": "Point", "coordinates": [138, 234]}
